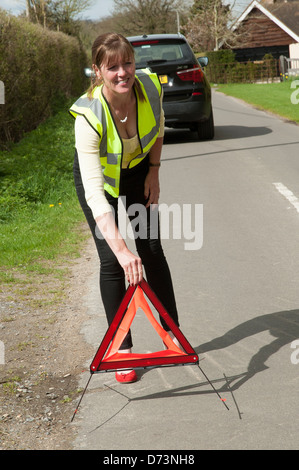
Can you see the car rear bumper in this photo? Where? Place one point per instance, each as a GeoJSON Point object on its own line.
{"type": "Point", "coordinates": [181, 113]}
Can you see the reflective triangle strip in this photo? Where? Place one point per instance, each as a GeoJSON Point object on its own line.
{"type": "Point", "coordinates": [138, 300]}
{"type": "Point", "coordinates": [109, 359]}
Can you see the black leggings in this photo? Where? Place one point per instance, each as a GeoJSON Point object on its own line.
{"type": "Point", "coordinates": [112, 277]}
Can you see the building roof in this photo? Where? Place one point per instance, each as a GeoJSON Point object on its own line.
{"type": "Point", "coordinates": [287, 13]}
{"type": "Point", "coordinates": [284, 14]}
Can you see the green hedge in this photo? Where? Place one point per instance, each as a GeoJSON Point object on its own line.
{"type": "Point", "coordinates": [224, 56]}
{"type": "Point", "coordinates": [223, 68]}
{"type": "Point", "coordinates": [38, 67]}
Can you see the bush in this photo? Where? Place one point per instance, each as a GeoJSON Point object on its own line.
{"type": "Point", "coordinates": [224, 56]}
{"type": "Point", "coordinates": [37, 67]}
{"type": "Point", "coordinates": [220, 71]}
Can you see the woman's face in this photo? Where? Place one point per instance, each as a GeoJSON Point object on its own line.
{"type": "Point", "coordinates": [118, 75]}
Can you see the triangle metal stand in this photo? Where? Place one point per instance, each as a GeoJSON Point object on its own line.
{"type": "Point", "coordinates": [107, 358]}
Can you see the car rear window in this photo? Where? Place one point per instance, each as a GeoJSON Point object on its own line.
{"type": "Point", "coordinates": [155, 50]}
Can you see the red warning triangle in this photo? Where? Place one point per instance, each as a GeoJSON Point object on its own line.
{"type": "Point", "coordinates": [108, 358]}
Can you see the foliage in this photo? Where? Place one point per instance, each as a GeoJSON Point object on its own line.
{"type": "Point", "coordinates": [134, 17]}
{"type": "Point", "coordinates": [37, 67]}
{"type": "Point", "coordinates": [59, 15]}
{"type": "Point", "coordinates": [208, 27]}
{"type": "Point", "coordinates": [224, 56]}
{"type": "Point", "coordinates": [224, 69]}
{"type": "Point", "coordinates": [39, 209]}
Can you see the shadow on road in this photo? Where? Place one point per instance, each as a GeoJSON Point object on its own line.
{"type": "Point", "coordinates": [181, 136]}
{"type": "Point", "coordinates": [283, 326]}
{"type": "Point", "coordinates": [239, 132]}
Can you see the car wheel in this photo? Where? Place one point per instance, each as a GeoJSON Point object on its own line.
{"type": "Point", "coordinates": [205, 129]}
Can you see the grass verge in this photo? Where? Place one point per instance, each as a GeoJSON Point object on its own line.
{"type": "Point", "coordinates": [279, 98]}
{"type": "Point", "coordinates": [39, 212]}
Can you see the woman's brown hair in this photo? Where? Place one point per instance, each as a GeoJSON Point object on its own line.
{"type": "Point", "coordinates": [104, 50]}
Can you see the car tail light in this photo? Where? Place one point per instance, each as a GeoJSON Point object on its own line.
{"type": "Point", "coordinates": [193, 75]}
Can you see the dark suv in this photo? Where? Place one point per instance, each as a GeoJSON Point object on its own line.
{"type": "Point", "coordinates": [187, 92]}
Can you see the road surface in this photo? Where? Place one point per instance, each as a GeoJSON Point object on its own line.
{"type": "Point", "coordinates": [236, 284]}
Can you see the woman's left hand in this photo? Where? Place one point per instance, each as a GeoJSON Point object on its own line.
{"type": "Point", "coordinates": [152, 186]}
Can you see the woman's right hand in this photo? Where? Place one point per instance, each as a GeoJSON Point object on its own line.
{"type": "Point", "coordinates": [131, 265]}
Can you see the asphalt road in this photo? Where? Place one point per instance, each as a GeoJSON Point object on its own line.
{"type": "Point", "coordinates": [236, 284]}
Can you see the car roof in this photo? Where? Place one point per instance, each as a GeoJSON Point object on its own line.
{"type": "Point", "coordinates": [156, 36]}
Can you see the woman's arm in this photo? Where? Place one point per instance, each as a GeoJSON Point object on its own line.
{"type": "Point", "coordinates": [87, 144]}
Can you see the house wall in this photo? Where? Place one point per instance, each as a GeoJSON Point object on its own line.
{"type": "Point", "coordinates": [294, 51]}
{"type": "Point", "coordinates": [262, 32]}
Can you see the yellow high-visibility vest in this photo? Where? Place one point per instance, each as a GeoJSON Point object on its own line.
{"type": "Point", "coordinates": [96, 111]}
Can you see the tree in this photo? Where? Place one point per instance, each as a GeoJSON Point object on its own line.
{"type": "Point", "coordinates": [208, 27]}
{"type": "Point", "coordinates": [147, 16]}
{"type": "Point", "coordinates": [61, 15]}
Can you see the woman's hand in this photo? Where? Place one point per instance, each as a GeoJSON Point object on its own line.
{"type": "Point", "coordinates": [152, 186]}
{"type": "Point", "coordinates": [130, 263]}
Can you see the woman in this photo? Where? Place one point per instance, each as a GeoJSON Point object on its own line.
{"type": "Point", "coordinates": [119, 132]}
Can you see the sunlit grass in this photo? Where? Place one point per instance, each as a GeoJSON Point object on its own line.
{"type": "Point", "coordinates": [40, 215]}
{"type": "Point", "coordinates": [279, 98]}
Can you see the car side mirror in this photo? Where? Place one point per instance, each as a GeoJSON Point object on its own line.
{"type": "Point", "coordinates": [203, 61]}
{"type": "Point", "coordinates": [89, 73]}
